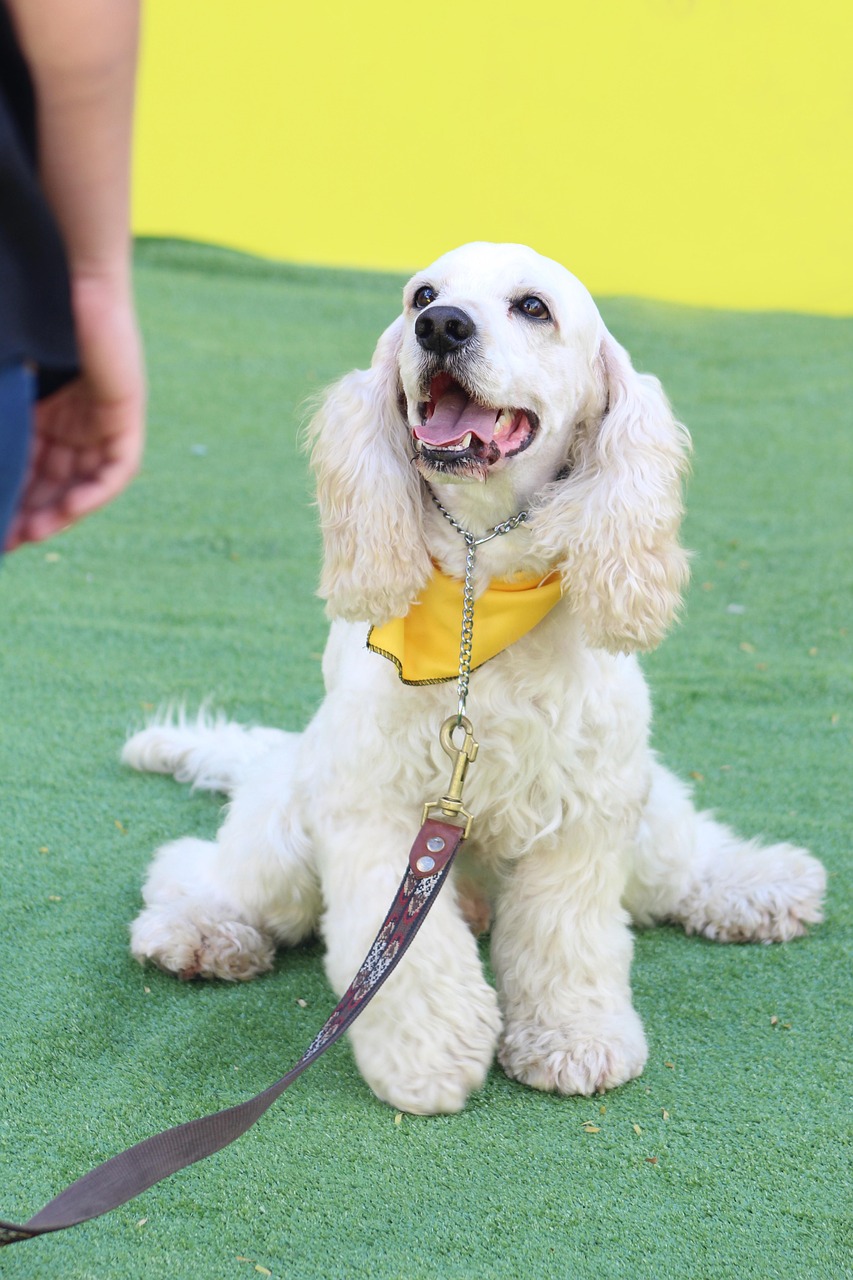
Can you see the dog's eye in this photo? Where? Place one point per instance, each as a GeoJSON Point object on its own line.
{"type": "Point", "coordinates": [424, 296]}
{"type": "Point", "coordinates": [533, 307]}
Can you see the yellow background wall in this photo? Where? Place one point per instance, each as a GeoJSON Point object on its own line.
{"type": "Point", "coordinates": [692, 150]}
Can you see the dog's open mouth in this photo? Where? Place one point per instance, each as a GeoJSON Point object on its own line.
{"type": "Point", "coordinates": [457, 433]}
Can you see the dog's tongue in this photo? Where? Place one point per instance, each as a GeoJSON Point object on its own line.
{"type": "Point", "coordinates": [456, 414]}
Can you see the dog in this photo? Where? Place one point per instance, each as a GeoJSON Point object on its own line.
{"type": "Point", "coordinates": [498, 392]}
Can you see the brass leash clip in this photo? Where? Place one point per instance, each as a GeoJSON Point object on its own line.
{"type": "Point", "coordinates": [450, 804]}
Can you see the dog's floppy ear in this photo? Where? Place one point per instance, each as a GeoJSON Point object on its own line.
{"type": "Point", "coordinates": [368, 493]}
{"type": "Point", "coordinates": [613, 522]}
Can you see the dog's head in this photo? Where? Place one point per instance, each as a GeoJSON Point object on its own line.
{"type": "Point", "coordinates": [497, 358]}
{"type": "Point", "coordinates": [500, 366]}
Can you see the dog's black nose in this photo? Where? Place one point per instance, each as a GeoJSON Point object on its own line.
{"type": "Point", "coordinates": [443, 329]}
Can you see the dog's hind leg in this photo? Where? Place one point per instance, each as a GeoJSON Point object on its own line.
{"type": "Point", "coordinates": [217, 909]}
{"type": "Point", "coordinates": [696, 872]}
{"type": "Point", "coordinates": [206, 750]}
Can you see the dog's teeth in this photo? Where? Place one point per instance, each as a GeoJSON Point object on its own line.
{"type": "Point", "coordinates": [458, 447]}
{"type": "Point", "coordinates": [418, 443]}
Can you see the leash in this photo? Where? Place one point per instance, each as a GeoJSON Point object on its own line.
{"type": "Point", "coordinates": [131, 1172]}
{"type": "Point", "coordinates": [445, 824]}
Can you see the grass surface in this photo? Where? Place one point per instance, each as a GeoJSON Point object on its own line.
{"type": "Point", "coordinates": [200, 581]}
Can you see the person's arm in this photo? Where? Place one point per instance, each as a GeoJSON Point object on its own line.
{"type": "Point", "coordinates": [82, 60]}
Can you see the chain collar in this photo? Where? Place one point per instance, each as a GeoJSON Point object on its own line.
{"type": "Point", "coordinates": [471, 544]}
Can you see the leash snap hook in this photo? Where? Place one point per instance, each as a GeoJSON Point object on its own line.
{"type": "Point", "coordinates": [450, 804]}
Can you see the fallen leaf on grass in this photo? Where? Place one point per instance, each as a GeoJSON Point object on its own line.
{"type": "Point", "coordinates": [746, 647]}
{"type": "Point", "coordinates": [588, 1127]}
{"type": "Point", "coordinates": [651, 1159]}
{"type": "Point", "coordinates": [263, 1270]}
{"type": "Point", "coordinates": [142, 1222]}
{"type": "Point", "coordinates": [671, 1065]}
{"type": "Point", "coordinates": [303, 1004]}
{"type": "Point", "coordinates": [398, 1119]}
{"type": "Point", "coordinates": [665, 1114]}
{"type": "Point", "coordinates": [636, 1129]}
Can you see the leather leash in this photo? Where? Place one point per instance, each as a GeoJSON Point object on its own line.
{"type": "Point", "coordinates": [131, 1172]}
{"type": "Point", "coordinates": [126, 1175]}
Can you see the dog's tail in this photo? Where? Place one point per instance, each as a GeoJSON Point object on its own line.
{"type": "Point", "coordinates": [207, 750]}
{"type": "Point", "coordinates": [694, 871]}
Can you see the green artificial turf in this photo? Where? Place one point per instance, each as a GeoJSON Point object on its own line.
{"type": "Point", "coordinates": [730, 1156]}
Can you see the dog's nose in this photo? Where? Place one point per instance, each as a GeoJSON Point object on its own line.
{"type": "Point", "coordinates": [443, 329]}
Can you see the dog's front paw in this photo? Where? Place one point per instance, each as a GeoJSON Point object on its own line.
{"type": "Point", "coordinates": [427, 1061]}
{"type": "Point", "coordinates": [183, 939]}
{"type": "Point", "coordinates": [592, 1052]}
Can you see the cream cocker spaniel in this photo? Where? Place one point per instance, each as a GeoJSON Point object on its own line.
{"type": "Point", "coordinates": [498, 390]}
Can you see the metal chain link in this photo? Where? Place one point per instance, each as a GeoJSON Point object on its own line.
{"type": "Point", "coordinates": [467, 640]}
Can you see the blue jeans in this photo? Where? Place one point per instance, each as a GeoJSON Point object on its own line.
{"type": "Point", "coordinates": [17, 394]}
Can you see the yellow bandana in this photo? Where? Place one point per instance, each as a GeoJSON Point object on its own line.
{"type": "Point", "coordinates": [424, 645]}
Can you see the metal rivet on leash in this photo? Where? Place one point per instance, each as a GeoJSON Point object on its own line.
{"type": "Point", "coordinates": [435, 845]}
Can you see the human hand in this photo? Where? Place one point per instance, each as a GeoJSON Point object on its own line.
{"type": "Point", "coordinates": [89, 435]}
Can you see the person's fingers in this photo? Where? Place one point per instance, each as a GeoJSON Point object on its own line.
{"type": "Point", "coordinates": [85, 453]}
{"type": "Point", "coordinates": [36, 527]}
{"type": "Point", "coordinates": [87, 496]}
{"type": "Point", "coordinates": [63, 496]}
